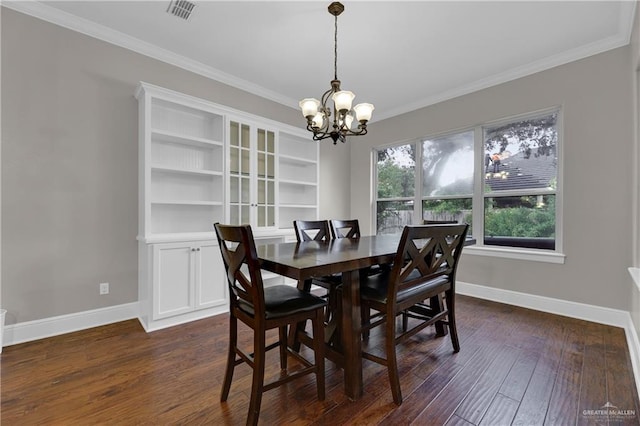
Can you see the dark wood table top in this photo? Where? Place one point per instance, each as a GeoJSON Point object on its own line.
{"type": "Point", "coordinates": [317, 258]}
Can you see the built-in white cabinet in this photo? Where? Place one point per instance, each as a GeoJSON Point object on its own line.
{"type": "Point", "coordinates": [186, 278]}
{"type": "Point", "coordinates": [202, 163]}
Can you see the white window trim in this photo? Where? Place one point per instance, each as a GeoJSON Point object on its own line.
{"type": "Point", "coordinates": [547, 256]}
{"type": "Point", "coordinates": [479, 249]}
{"type": "Point", "coordinates": [555, 256]}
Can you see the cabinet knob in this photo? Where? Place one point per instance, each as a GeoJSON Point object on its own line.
{"type": "Point", "coordinates": [198, 249]}
{"type": "Point", "coordinates": [193, 249]}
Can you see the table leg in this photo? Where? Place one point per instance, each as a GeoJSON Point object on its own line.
{"type": "Point", "coordinates": [294, 343]}
{"type": "Point", "coordinates": [351, 334]}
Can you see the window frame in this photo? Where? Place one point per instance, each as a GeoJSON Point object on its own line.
{"type": "Point", "coordinates": [479, 196]}
{"type": "Point", "coordinates": [417, 176]}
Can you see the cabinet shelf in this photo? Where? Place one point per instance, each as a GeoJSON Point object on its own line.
{"type": "Point", "coordinates": [178, 170]}
{"type": "Point", "coordinates": [298, 206]}
{"type": "Point", "coordinates": [187, 203]}
{"type": "Point", "coordinates": [289, 159]}
{"type": "Point", "coordinates": [165, 136]}
{"type": "Point", "coordinates": [297, 182]}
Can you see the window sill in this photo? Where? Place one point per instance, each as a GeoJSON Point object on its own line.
{"type": "Point", "coordinates": [515, 253]}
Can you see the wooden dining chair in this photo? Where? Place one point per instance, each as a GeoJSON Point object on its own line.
{"type": "Point", "coordinates": [405, 316]}
{"type": "Point", "coordinates": [345, 228]}
{"type": "Point", "coordinates": [424, 266]}
{"type": "Point", "coordinates": [319, 230]}
{"type": "Point", "coordinates": [312, 230]}
{"type": "Point", "coordinates": [263, 309]}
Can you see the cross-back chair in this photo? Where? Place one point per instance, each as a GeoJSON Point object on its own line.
{"type": "Point", "coordinates": [304, 230]}
{"type": "Point", "coordinates": [319, 230]}
{"type": "Point", "coordinates": [263, 309]}
{"type": "Point", "coordinates": [424, 267]}
{"type": "Point", "coordinates": [345, 228]}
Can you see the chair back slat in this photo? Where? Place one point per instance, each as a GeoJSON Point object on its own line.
{"type": "Point", "coordinates": [305, 230]}
{"type": "Point", "coordinates": [237, 247]}
{"type": "Point", "coordinates": [438, 222]}
{"type": "Point", "coordinates": [426, 253]}
{"type": "Point", "coordinates": [345, 228]}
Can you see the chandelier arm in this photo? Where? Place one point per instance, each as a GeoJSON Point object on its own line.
{"type": "Point", "coordinates": [321, 136]}
{"type": "Point", "coordinates": [325, 98]}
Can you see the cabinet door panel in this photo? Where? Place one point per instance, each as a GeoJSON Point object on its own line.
{"type": "Point", "coordinates": [172, 277]}
{"type": "Point", "coordinates": [211, 286]}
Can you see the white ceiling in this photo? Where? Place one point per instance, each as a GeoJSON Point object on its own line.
{"type": "Point", "coordinates": [397, 55]}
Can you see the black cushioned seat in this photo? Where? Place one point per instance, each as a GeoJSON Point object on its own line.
{"type": "Point", "coordinates": [282, 300]}
{"type": "Point", "coordinates": [376, 287]}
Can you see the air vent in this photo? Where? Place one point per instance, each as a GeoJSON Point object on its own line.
{"type": "Point", "coordinates": [181, 8]}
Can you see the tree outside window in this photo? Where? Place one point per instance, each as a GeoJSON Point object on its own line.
{"type": "Point", "coordinates": [395, 188]}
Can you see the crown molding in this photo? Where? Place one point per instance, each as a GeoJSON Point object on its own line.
{"type": "Point", "coordinates": [621, 39]}
{"type": "Point", "coordinates": [66, 20]}
{"type": "Point", "coordinates": [42, 11]}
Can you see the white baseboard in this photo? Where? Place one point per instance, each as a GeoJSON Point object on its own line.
{"type": "Point", "coordinates": [48, 327]}
{"type": "Point", "coordinates": [598, 314]}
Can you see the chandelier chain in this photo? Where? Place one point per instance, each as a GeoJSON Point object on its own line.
{"type": "Point", "coordinates": [335, 50]}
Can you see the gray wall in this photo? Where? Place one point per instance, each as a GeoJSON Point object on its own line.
{"type": "Point", "coordinates": [69, 169]}
{"type": "Point", "coordinates": [596, 99]}
{"type": "Point", "coordinates": [69, 165]}
{"type": "Point", "coordinates": [635, 72]}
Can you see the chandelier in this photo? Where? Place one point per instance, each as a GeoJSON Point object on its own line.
{"type": "Point", "coordinates": [339, 124]}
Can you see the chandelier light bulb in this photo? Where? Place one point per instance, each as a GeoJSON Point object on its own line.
{"type": "Point", "coordinates": [309, 106]}
{"type": "Point", "coordinates": [343, 100]}
{"type": "Point", "coordinates": [348, 120]}
{"type": "Point", "coordinates": [363, 112]}
{"type": "Point", "coordinates": [318, 120]}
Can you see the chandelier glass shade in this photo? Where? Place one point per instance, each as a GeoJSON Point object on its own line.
{"type": "Point", "coordinates": [344, 120]}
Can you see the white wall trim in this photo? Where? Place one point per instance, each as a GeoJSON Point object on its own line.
{"type": "Point", "coordinates": [635, 274]}
{"type": "Point", "coordinates": [598, 314]}
{"type": "Point", "coordinates": [54, 326]}
{"type": "Point", "coordinates": [601, 315]}
{"type": "Point", "coordinates": [634, 349]}
{"type": "Point", "coordinates": [515, 253]}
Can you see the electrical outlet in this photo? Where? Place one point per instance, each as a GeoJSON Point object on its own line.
{"type": "Point", "coordinates": [104, 288]}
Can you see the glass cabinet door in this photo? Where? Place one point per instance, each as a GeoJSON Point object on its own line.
{"type": "Point", "coordinates": [239, 173]}
{"type": "Point", "coordinates": [252, 175]}
{"type": "Point", "coordinates": [266, 178]}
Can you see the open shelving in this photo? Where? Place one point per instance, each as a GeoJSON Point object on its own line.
{"type": "Point", "coordinates": [297, 179]}
{"type": "Point", "coordinates": [183, 162]}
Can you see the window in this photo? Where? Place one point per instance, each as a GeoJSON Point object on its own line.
{"type": "Point", "coordinates": [521, 163]}
{"type": "Point", "coordinates": [500, 177]}
{"type": "Point", "coordinates": [447, 177]}
{"type": "Point", "coordinates": [395, 171]}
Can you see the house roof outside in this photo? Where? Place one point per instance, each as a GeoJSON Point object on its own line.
{"type": "Point", "coordinates": [518, 172]}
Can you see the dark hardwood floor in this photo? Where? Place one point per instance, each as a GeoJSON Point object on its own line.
{"type": "Point", "coordinates": [516, 366]}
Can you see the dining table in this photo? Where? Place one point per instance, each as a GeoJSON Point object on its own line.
{"type": "Point", "coordinates": [302, 261]}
